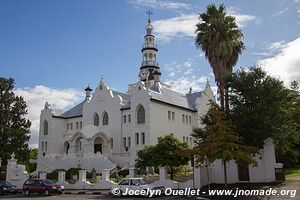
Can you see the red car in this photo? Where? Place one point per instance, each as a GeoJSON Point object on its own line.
{"type": "Point", "coordinates": [42, 186]}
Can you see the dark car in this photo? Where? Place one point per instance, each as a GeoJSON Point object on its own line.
{"type": "Point", "coordinates": [7, 187]}
{"type": "Point", "coordinates": [42, 186]}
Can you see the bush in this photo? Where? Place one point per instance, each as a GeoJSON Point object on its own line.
{"type": "Point", "coordinates": [71, 172]}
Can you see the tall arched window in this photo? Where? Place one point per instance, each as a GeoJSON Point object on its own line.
{"type": "Point", "coordinates": [96, 119]}
{"type": "Point", "coordinates": [105, 118]}
{"type": "Point", "coordinates": [45, 126]}
{"type": "Point", "coordinates": [140, 114]}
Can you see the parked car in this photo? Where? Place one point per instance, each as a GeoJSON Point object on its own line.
{"type": "Point", "coordinates": [137, 186]}
{"type": "Point", "coordinates": [42, 186]}
{"type": "Point", "coordinates": [7, 187]}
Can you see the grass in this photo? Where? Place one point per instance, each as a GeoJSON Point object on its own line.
{"type": "Point", "coordinates": [292, 172]}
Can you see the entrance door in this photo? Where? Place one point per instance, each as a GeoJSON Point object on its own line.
{"type": "Point", "coordinates": [243, 170]}
{"type": "Point", "coordinates": [98, 148]}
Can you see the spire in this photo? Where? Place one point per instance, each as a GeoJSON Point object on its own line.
{"type": "Point", "coordinates": [149, 13]}
{"type": "Point", "coordinates": [149, 53]}
{"type": "Point", "coordinates": [88, 92]}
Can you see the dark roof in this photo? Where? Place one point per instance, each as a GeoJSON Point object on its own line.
{"type": "Point", "coordinates": [88, 88]}
{"type": "Point", "coordinates": [73, 112]}
{"type": "Point", "coordinates": [192, 97]}
{"type": "Point", "coordinates": [171, 97]}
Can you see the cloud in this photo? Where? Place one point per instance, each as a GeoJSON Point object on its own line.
{"type": "Point", "coordinates": [281, 12]}
{"type": "Point", "coordinates": [182, 76]}
{"type": "Point", "coordinates": [37, 96]}
{"type": "Point", "coordinates": [159, 4]}
{"type": "Point", "coordinates": [184, 25]}
{"type": "Point", "coordinates": [286, 61]}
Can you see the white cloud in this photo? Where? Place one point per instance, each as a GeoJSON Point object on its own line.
{"type": "Point", "coordinates": [35, 99]}
{"type": "Point", "coordinates": [185, 25]}
{"type": "Point", "coordinates": [182, 76]}
{"type": "Point", "coordinates": [281, 12]}
{"type": "Point", "coordinates": [159, 4]}
{"type": "Point", "coordinates": [285, 64]}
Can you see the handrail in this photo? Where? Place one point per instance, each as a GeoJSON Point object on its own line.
{"type": "Point", "coordinates": [149, 45]}
{"type": "Point", "coordinates": [150, 63]}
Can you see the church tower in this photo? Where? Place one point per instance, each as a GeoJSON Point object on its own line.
{"type": "Point", "coordinates": [149, 67]}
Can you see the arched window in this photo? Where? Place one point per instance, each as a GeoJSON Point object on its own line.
{"type": "Point", "coordinates": [45, 125]}
{"type": "Point", "coordinates": [105, 118]}
{"type": "Point", "coordinates": [96, 119]}
{"type": "Point", "coordinates": [140, 114]}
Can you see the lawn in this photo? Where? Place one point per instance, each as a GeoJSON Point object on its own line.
{"type": "Point", "coordinates": [292, 172]}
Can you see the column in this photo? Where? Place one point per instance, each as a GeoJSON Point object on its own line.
{"type": "Point", "coordinates": [82, 175]}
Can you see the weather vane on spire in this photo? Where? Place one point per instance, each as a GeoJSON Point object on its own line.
{"type": "Point", "coordinates": [149, 13]}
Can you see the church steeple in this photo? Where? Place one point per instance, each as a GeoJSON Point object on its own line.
{"type": "Point", "coordinates": [149, 52]}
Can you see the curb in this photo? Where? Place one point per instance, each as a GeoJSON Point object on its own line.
{"type": "Point", "coordinates": [87, 193]}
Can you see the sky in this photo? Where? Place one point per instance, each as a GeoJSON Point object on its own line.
{"type": "Point", "coordinates": [55, 48]}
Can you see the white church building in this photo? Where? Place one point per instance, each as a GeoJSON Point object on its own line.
{"type": "Point", "coordinates": [107, 128]}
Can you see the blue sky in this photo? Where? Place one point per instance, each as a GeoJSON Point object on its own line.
{"type": "Point", "coordinates": [53, 49]}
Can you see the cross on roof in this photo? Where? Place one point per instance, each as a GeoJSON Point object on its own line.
{"type": "Point", "coordinates": [149, 13]}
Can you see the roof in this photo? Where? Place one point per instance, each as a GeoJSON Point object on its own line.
{"type": "Point", "coordinates": [73, 112]}
{"type": "Point", "coordinates": [76, 111]}
{"type": "Point", "coordinates": [174, 98]}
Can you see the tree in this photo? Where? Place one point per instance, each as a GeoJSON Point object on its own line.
{"type": "Point", "coordinates": [221, 40]}
{"type": "Point", "coordinates": [166, 153]}
{"type": "Point", "coordinates": [14, 128]}
{"type": "Point", "coordinates": [218, 140]}
{"type": "Point", "coordinates": [262, 107]}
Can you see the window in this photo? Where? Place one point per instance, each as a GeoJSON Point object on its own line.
{"type": "Point", "coordinates": [45, 127]}
{"type": "Point", "coordinates": [80, 125]}
{"type": "Point", "coordinates": [191, 142]}
{"type": "Point", "coordinates": [190, 120]}
{"type": "Point", "coordinates": [183, 138]}
{"type": "Point", "coordinates": [137, 138]}
{"type": "Point", "coordinates": [77, 125]}
{"type": "Point", "coordinates": [129, 142]}
{"type": "Point", "coordinates": [105, 118]}
{"type": "Point", "coordinates": [68, 126]}
{"type": "Point", "coordinates": [182, 118]}
{"type": "Point", "coordinates": [129, 118]}
{"type": "Point", "coordinates": [71, 126]}
{"type": "Point", "coordinates": [96, 119]}
{"type": "Point", "coordinates": [143, 137]}
{"type": "Point", "coordinates": [169, 115]}
{"type": "Point", "coordinates": [140, 114]}
{"type": "Point", "coordinates": [111, 143]}
{"type": "Point", "coordinates": [46, 146]}
{"type": "Point", "coordinates": [173, 116]}
{"type": "Point", "coordinates": [186, 119]}
{"type": "Point", "coordinates": [124, 141]}
{"type": "Point", "coordinates": [124, 118]}
{"type": "Point", "coordinates": [42, 146]}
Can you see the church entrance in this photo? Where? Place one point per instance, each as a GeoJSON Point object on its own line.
{"type": "Point", "coordinates": [98, 145]}
{"type": "Point", "coordinates": [98, 148]}
{"type": "Point", "coordinates": [243, 170]}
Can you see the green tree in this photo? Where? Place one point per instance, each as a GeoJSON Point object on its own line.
{"type": "Point", "coordinates": [221, 40]}
{"type": "Point", "coordinates": [218, 140]}
{"type": "Point", "coordinates": [31, 167]}
{"type": "Point", "coordinates": [166, 153]}
{"type": "Point", "coordinates": [14, 127]}
{"type": "Point", "coordinates": [262, 107]}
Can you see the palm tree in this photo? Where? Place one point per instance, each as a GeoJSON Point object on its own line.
{"type": "Point", "coordinates": [220, 39]}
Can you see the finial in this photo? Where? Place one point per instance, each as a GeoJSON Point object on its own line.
{"type": "Point", "coordinates": [88, 88]}
{"type": "Point", "coordinates": [101, 77]}
{"type": "Point", "coordinates": [191, 90]}
{"type": "Point", "coordinates": [149, 13]}
{"type": "Point", "coordinates": [13, 156]}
